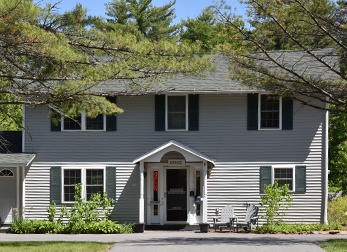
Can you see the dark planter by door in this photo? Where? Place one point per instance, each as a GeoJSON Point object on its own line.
{"type": "Point", "coordinates": [204, 227]}
{"type": "Point", "coordinates": [139, 227]}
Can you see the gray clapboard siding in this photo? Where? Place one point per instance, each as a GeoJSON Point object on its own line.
{"type": "Point", "coordinates": [224, 130]}
{"type": "Point", "coordinates": [128, 193]}
{"type": "Point", "coordinates": [37, 195]}
{"type": "Point", "coordinates": [236, 184]}
{"type": "Point", "coordinates": [222, 135]}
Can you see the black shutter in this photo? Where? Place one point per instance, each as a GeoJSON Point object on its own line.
{"type": "Point", "coordinates": [265, 177]}
{"type": "Point", "coordinates": [300, 179]}
{"type": "Point", "coordinates": [55, 178]}
{"type": "Point", "coordinates": [252, 112]}
{"type": "Point", "coordinates": [111, 182]}
{"type": "Point", "coordinates": [160, 113]}
{"type": "Point", "coordinates": [55, 126]}
{"type": "Point", "coordinates": [111, 120]}
{"type": "Point", "coordinates": [287, 113]}
{"type": "Point", "coordinates": [193, 112]}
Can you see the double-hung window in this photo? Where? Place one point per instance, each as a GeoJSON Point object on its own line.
{"type": "Point", "coordinates": [270, 112]}
{"type": "Point", "coordinates": [177, 112]}
{"type": "Point", "coordinates": [83, 122]}
{"type": "Point", "coordinates": [284, 176]}
{"type": "Point", "coordinates": [293, 175]}
{"type": "Point", "coordinates": [91, 179]}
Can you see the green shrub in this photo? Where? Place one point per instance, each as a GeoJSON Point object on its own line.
{"type": "Point", "coordinates": [84, 217]}
{"type": "Point", "coordinates": [294, 228]}
{"type": "Point", "coordinates": [275, 200]}
{"type": "Point", "coordinates": [337, 211]}
{"type": "Point", "coordinates": [23, 226]}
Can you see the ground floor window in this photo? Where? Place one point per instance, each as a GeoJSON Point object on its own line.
{"type": "Point", "coordinates": [91, 179]}
{"type": "Point", "coordinates": [284, 176]}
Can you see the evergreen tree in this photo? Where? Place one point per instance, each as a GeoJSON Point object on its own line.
{"type": "Point", "coordinates": [151, 21]}
{"type": "Point", "coordinates": [304, 25]}
{"type": "Point", "coordinates": [57, 60]}
{"type": "Point", "coordinates": [204, 28]}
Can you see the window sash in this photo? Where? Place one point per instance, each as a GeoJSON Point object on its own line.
{"type": "Point", "coordinates": [284, 176]}
{"type": "Point", "coordinates": [270, 112]}
{"type": "Point", "coordinates": [177, 112]}
{"type": "Point", "coordinates": [94, 182]}
{"type": "Point", "coordinates": [71, 178]}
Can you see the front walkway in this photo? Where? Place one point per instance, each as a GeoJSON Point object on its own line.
{"type": "Point", "coordinates": [191, 241]}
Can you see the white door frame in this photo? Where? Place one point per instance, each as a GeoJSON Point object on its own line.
{"type": "Point", "coordinates": [161, 217]}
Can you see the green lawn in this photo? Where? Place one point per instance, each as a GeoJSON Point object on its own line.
{"type": "Point", "coordinates": [338, 245]}
{"type": "Point", "coordinates": [54, 246]}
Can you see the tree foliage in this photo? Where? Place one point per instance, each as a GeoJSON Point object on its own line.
{"type": "Point", "coordinates": [151, 21]}
{"type": "Point", "coordinates": [304, 25]}
{"type": "Point", "coordinates": [275, 200]}
{"type": "Point", "coordinates": [205, 28]}
{"type": "Point", "coordinates": [58, 60]}
{"type": "Point", "coordinates": [338, 151]}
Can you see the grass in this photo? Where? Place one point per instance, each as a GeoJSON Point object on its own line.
{"type": "Point", "coordinates": [339, 245]}
{"type": "Point", "coordinates": [54, 246]}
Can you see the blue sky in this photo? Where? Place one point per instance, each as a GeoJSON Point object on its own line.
{"type": "Point", "coordinates": [183, 8]}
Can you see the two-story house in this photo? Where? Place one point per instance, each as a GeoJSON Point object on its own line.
{"type": "Point", "coordinates": [176, 154]}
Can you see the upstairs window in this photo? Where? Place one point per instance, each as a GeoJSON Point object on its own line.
{"type": "Point", "coordinates": [270, 112]}
{"type": "Point", "coordinates": [176, 112]}
{"type": "Point", "coordinates": [84, 122]}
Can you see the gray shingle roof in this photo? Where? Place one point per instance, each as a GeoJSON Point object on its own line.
{"type": "Point", "coordinates": [17, 159]}
{"type": "Point", "coordinates": [219, 81]}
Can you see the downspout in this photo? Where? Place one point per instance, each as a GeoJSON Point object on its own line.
{"type": "Point", "coordinates": [23, 128]}
{"type": "Point", "coordinates": [326, 166]}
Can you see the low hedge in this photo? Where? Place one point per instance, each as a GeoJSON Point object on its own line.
{"type": "Point", "coordinates": [23, 226]}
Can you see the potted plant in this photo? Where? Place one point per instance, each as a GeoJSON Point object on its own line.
{"type": "Point", "coordinates": [139, 227]}
{"type": "Point", "coordinates": [204, 227]}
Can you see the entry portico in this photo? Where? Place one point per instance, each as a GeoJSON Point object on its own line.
{"type": "Point", "coordinates": [173, 185]}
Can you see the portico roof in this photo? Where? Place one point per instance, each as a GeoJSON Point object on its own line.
{"type": "Point", "coordinates": [16, 159]}
{"type": "Point", "coordinates": [173, 145]}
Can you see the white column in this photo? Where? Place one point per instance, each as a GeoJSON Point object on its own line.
{"type": "Point", "coordinates": [142, 191]}
{"type": "Point", "coordinates": [204, 198]}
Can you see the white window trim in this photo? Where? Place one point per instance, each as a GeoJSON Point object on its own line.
{"type": "Point", "coordinates": [83, 124]}
{"type": "Point", "coordinates": [83, 180]}
{"type": "Point", "coordinates": [166, 113]}
{"type": "Point", "coordinates": [259, 114]}
{"type": "Point", "coordinates": [283, 167]}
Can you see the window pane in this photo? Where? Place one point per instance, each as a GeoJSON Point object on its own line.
{"type": "Point", "coordinates": [96, 123]}
{"type": "Point", "coordinates": [94, 182]}
{"type": "Point", "coordinates": [270, 111]}
{"type": "Point", "coordinates": [176, 112]}
{"type": "Point", "coordinates": [71, 178]}
{"type": "Point", "coordinates": [72, 124]}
